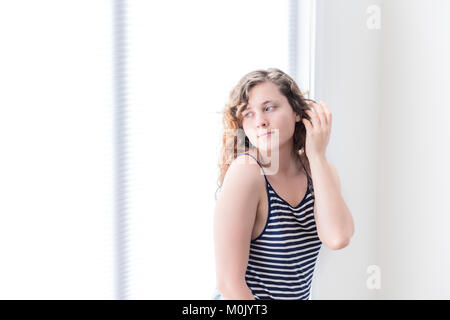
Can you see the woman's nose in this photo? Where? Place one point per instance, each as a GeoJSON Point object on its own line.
{"type": "Point", "coordinates": [261, 120]}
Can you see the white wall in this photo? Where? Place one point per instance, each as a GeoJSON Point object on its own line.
{"type": "Point", "coordinates": [347, 80]}
{"type": "Point", "coordinates": [413, 242]}
{"type": "Point", "coordinates": [387, 90]}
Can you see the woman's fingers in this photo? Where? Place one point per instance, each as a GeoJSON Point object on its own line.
{"type": "Point", "coordinates": [308, 125]}
{"type": "Point", "coordinates": [327, 113]}
{"type": "Point", "coordinates": [321, 117]}
{"type": "Point", "coordinates": [315, 119]}
{"type": "Point", "coordinates": [320, 113]}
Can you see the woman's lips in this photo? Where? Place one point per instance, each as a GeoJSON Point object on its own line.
{"type": "Point", "coordinates": [265, 134]}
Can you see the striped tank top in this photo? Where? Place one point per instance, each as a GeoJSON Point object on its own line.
{"type": "Point", "coordinates": [282, 258]}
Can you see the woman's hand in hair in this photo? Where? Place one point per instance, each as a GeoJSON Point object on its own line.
{"type": "Point", "coordinates": [318, 130]}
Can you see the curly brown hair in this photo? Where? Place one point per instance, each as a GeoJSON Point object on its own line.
{"type": "Point", "coordinates": [238, 100]}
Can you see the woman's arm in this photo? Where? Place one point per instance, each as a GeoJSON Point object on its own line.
{"type": "Point", "coordinates": [234, 218]}
{"type": "Point", "coordinates": [334, 220]}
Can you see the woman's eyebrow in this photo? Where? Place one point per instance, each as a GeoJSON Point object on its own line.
{"type": "Point", "coordinates": [265, 102]}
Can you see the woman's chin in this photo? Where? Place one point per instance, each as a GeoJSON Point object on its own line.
{"type": "Point", "coordinates": [266, 146]}
{"type": "Point", "coordinates": [267, 149]}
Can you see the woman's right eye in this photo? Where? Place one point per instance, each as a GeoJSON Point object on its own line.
{"type": "Point", "coordinates": [245, 115]}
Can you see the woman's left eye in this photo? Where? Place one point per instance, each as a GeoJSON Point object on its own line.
{"type": "Point", "coordinates": [270, 107]}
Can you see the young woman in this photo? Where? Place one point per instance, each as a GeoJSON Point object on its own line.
{"type": "Point", "coordinates": [269, 228]}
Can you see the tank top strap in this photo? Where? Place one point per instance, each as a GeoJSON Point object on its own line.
{"type": "Point", "coordinates": [240, 154]}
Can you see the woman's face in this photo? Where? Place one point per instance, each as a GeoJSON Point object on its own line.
{"type": "Point", "coordinates": [268, 110]}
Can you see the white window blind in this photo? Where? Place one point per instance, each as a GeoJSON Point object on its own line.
{"type": "Point", "coordinates": [183, 58]}
{"type": "Point", "coordinates": [56, 212]}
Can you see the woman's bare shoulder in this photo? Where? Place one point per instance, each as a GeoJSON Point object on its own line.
{"type": "Point", "coordinates": [240, 189]}
{"type": "Point", "coordinates": [244, 175]}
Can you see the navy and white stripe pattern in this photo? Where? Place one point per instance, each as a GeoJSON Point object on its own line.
{"type": "Point", "coordinates": [282, 258]}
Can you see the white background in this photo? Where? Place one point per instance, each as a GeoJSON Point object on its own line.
{"type": "Point", "coordinates": [387, 89]}
{"type": "Point", "coordinates": [56, 142]}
